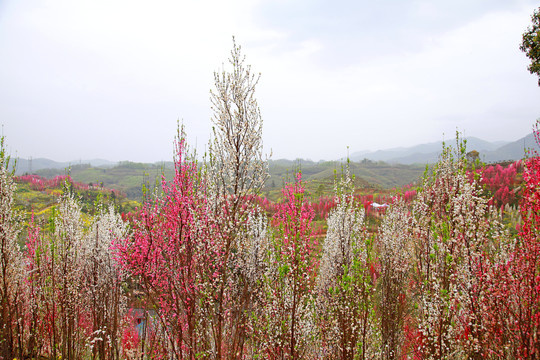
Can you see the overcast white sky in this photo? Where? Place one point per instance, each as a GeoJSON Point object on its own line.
{"type": "Point", "coordinates": [108, 79]}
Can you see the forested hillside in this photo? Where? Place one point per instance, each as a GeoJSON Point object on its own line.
{"type": "Point", "coordinates": [130, 178]}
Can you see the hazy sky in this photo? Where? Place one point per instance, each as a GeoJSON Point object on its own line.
{"type": "Point", "coordinates": [109, 79]}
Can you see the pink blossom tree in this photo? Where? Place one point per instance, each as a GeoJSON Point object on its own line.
{"type": "Point", "coordinates": [171, 255]}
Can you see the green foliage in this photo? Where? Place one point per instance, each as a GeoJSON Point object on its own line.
{"type": "Point", "coordinates": [5, 158]}
{"type": "Point", "coordinates": [530, 44]}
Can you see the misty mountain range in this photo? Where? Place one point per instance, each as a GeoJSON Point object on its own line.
{"type": "Point", "coordinates": [419, 154]}
{"type": "Point", "coordinates": [428, 153]}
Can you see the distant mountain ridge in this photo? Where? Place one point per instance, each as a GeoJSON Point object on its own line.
{"type": "Point", "coordinates": [493, 151]}
{"type": "Point", "coordinates": [428, 153]}
{"type": "Point", "coordinates": [25, 166]}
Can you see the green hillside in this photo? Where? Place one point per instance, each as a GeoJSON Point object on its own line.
{"type": "Point", "coordinates": [129, 178]}
{"type": "Point", "coordinates": [319, 176]}
{"type": "Point", "coordinates": [39, 196]}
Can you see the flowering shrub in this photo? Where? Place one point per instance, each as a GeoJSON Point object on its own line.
{"type": "Point", "coordinates": [501, 182]}
{"type": "Point", "coordinates": [451, 230]}
{"type": "Point", "coordinates": [290, 277]}
{"type": "Point", "coordinates": [39, 183]}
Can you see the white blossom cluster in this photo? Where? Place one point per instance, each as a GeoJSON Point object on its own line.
{"type": "Point", "coordinates": [284, 310]}
{"type": "Point", "coordinates": [103, 278]}
{"type": "Point", "coordinates": [73, 301]}
{"type": "Point", "coordinates": [252, 249]}
{"type": "Point", "coordinates": [286, 307]}
{"type": "Point", "coordinates": [68, 229]}
{"type": "Point", "coordinates": [395, 259]}
{"type": "Point", "coordinates": [344, 239]}
{"type": "Point", "coordinates": [237, 166]}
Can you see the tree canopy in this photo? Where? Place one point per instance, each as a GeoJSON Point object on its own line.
{"type": "Point", "coordinates": [531, 44]}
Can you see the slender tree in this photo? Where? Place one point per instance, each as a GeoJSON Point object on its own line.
{"type": "Point", "coordinates": [236, 170]}
{"type": "Point", "coordinates": [513, 307]}
{"type": "Point", "coordinates": [105, 298]}
{"type": "Point", "coordinates": [55, 277]}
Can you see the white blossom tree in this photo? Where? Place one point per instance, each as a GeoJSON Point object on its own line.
{"type": "Point", "coordinates": [345, 283]}
{"type": "Point", "coordinates": [74, 296]}
{"type": "Point", "coordinates": [236, 171]}
{"type": "Point", "coordinates": [452, 230]}
{"type": "Point", "coordinates": [11, 265]}
{"type": "Point", "coordinates": [63, 286]}
{"type": "Point", "coordinates": [103, 277]}
{"type": "Point", "coordinates": [393, 285]}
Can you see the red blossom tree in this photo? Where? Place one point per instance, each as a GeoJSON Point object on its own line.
{"type": "Point", "coordinates": [513, 309]}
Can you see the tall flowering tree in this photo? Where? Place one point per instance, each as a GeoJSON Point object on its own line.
{"type": "Point", "coordinates": [66, 243]}
{"type": "Point", "coordinates": [525, 263]}
{"type": "Point", "coordinates": [11, 265]}
{"type": "Point", "coordinates": [345, 283]}
{"type": "Point", "coordinates": [171, 256]}
{"type": "Point", "coordinates": [236, 170]}
{"type": "Point", "coordinates": [287, 324]}
{"type": "Point", "coordinates": [42, 280]}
